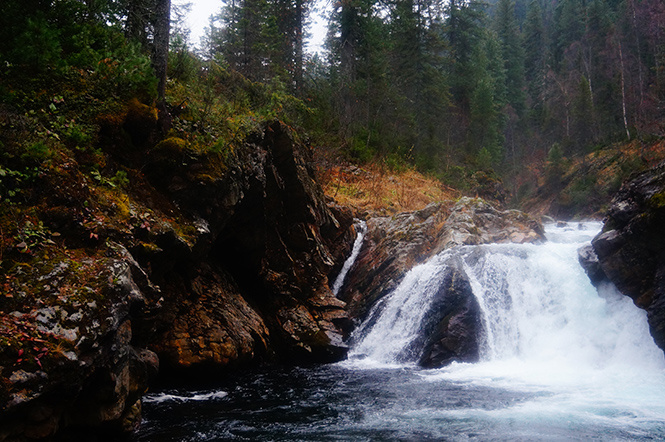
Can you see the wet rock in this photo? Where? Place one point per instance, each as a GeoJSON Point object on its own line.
{"type": "Point", "coordinates": [630, 248]}
{"type": "Point", "coordinates": [589, 262]}
{"type": "Point", "coordinates": [453, 326]}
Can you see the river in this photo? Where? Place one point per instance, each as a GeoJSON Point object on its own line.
{"type": "Point", "coordinates": [560, 360]}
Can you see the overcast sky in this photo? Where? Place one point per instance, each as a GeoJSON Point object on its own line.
{"type": "Point", "coordinates": [201, 11]}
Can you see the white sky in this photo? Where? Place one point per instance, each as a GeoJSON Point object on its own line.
{"type": "Point", "coordinates": [201, 11]}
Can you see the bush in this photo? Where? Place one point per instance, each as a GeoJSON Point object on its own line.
{"type": "Point", "coordinates": [37, 152]}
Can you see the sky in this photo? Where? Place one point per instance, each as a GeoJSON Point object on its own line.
{"type": "Point", "coordinates": [201, 11]}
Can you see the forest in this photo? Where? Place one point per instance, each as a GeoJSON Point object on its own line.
{"type": "Point", "coordinates": [448, 87]}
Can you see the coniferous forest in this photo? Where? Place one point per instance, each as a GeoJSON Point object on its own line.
{"type": "Point", "coordinates": [449, 87]}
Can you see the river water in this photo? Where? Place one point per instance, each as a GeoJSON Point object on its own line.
{"type": "Point", "coordinates": [560, 360]}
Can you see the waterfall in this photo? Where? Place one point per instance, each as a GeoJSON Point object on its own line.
{"type": "Point", "coordinates": [361, 227]}
{"type": "Point", "coordinates": [537, 307]}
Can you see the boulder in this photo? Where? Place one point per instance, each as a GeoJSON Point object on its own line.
{"type": "Point", "coordinates": [393, 245]}
{"type": "Point", "coordinates": [82, 368]}
{"type": "Point", "coordinates": [630, 249]}
{"type": "Point", "coordinates": [453, 325]}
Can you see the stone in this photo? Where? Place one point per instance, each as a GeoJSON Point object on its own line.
{"type": "Point", "coordinates": [453, 326]}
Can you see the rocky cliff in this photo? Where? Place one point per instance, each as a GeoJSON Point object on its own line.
{"type": "Point", "coordinates": [630, 251]}
{"type": "Point", "coordinates": [206, 261]}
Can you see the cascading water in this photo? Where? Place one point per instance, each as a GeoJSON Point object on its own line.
{"type": "Point", "coordinates": [395, 321]}
{"type": "Point", "coordinates": [361, 227]}
{"type": "Point", "coordinates": [546, 329]}
{"type": "Point", "coordinates": [537, 306]}
{"type": "Point", "coordinates": [559, 360]}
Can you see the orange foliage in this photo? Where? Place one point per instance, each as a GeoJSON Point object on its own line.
{"type": "Point", "coordinates": [376, 189]}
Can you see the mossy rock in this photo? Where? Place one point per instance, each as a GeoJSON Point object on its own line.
{"type": "Point", "coordinates": [141, 123]}
{"type": "Point", "coordinates": [171, 145]}
{"type": "Point", "coordinates": [657, 200]}
{"type": "Point", "coordinates": [170, 153]}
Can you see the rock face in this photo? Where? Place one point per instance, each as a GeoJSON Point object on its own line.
{"type": "Point", "coordinates": [393, 245]}
{"type": "Point", "coordinates": [630, 251]}
{"type": "Point", "coordinates": [96, 374]}
{"type": "Point", "coordinates": [268, 258]}
{"type": "Point", "coordinates": [215, 263]}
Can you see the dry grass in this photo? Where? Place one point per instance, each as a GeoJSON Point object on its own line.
{"type": "Point", "coordinates": [376, 189]}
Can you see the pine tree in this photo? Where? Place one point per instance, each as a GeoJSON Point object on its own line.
{"type": "Point", "coordinates": [417, 70]}
{"type": "Point", "coordinates": [464, 33]}
{"type": "Point", "coordinates": [582, 116]}
{"type": "Point", "coordinates": [568, 28]}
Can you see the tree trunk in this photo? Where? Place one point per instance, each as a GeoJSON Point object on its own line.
{"type": "Point", "coordinates": [161, 45]}
{"type": "Point", "coordinates": [623, 94]}
{"type": "Point", "coordinates": [298, 49]}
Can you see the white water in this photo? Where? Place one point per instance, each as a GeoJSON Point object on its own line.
{"type": "Point", "coordinates": [395, 321]}
{"type": "Point", "coordinates": [196, 397]}
{"type": "Point", "coordinates": [357, 244]}
{"type": "Point", "coordinates": [586, 352]}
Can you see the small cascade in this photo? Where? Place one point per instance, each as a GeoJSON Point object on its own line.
{"type": "Point", "coordinates": [394, 322]}
{"type": "Point", "coordinates": [361, 228]}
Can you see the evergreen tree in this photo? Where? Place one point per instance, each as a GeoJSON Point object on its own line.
{"type": "Point", "coordinates": [487, 99]}
{"type": "Point", "coordinates": [512, 53]}
{"type": "Point", "coordinates": [535, 58]}
{"type": "Point", "coordinates": [417, 70]}
{"type": "Point", "coordinates": [568, 28]}
{"type": "Point", "coordinates": [582, 116]}
{"type": "Point", "coordinates": [464, 33]}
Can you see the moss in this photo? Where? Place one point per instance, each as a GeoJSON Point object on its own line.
{"type": "Point", "coordinates": [115, 200]}
{"type": "Point", "coordinates": [173, 145]}
{"type": "Point", "coordinates": [657, 201]}
{"type": "Point", "coordinates": [140, 122]}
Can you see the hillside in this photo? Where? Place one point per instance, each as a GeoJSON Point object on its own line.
{"type": "Point", "coordinates": [582, 187]}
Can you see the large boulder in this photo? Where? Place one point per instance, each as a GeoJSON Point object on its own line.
{"type": "Point", "coordinates": [630, 251]}
{"type": "Point", "coordinates": [393, 245]}
{"type": "Point", "coordinates": [269, 234]}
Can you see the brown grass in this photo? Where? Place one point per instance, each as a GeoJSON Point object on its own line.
{"type": "Point", "coordinates": [376, 189]}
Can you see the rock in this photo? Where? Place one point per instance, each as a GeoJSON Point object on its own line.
{"type": "Point", "coordinates": [87, 385]}
{"type": "Point", "coordinates": [393, 245]}
{"type": "Point", "coordinates": [225, 266]}
{"type": "Point", "coordinates": [453, 327]}
{"type": "Point", "coordinates": [589, 262]}
{"type": "Point", "coordinates": [211, 325]}
{"type": "Point", "coordinates": [630, 248]}
{"type": "Point", "coordinates": [269, 246]}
